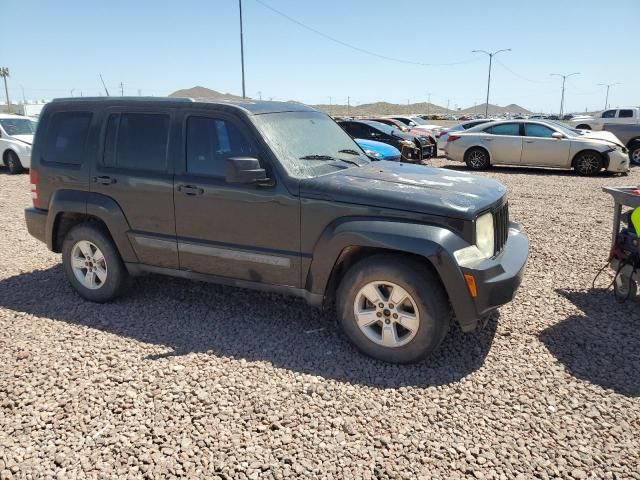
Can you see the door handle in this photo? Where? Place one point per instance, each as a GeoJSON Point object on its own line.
{"type": "Point", "coordinates": [529, 141]}
{"type": "Point", "coordinates": [190, 190]}
{"type": "Point", "coordinates": [488, 139]}
{"type": "Point", "coordinates": [104, 180]}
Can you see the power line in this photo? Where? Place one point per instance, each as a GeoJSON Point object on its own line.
{"type": "Point", "coordinates": [518, 75]}
{"type": "Point", "coordinates": [358, 49]}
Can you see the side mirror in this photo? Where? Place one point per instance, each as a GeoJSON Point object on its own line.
{"type": "Point", "coordinates": [557, 135]}
{"type": "Point", "coordinates": [245, 170]}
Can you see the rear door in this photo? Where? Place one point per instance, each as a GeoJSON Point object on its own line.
{"type": "Point", "coordinates": [504, 143]}
{"type": "Point", "coordinates": [134, 168]}
{"type": "Point", "coordinates": [239, 231]}
{"type": "Point", "coordinates": [541, 149]}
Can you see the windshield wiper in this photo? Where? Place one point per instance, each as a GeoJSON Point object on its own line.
{"type": "Point", "coordinates": [349, 151]}
{"type": "Point", "coordinates": [317, 157]}
{"type": "Point", "coordinates": [350, 161]}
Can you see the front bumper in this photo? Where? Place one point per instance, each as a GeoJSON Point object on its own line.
{"type": "Point", "coordinates": [618, 161]}
{"type": "Point", "coordinates": [497, 280]}
{"type": "Point", "coordinates": [36, 219]}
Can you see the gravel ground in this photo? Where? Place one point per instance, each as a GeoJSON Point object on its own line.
{"type": "Point", "coordinates": [190, 379]}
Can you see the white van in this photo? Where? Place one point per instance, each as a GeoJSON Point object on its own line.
{"type": "Point", "coordinates": [16, 137]}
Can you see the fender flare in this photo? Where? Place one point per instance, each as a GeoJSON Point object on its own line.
{"type": "Point", "coordinates": [434, 243]}
{"type": "Point", "coordinates": [94, 204]}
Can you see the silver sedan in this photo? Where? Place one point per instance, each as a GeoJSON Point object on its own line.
{"type": "Point", "coordinates": [536, 143]}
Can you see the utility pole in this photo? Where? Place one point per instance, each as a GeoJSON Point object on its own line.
{"type": "Point", "coordinates": [606, 99]}
{"type": "Point", "coordinates": [71, 92]}
{"type": "Point", "coordinates": [104, 85]}
{"type": "Point", "coordinates": [448, 107]}
{"type": "Point", "coordinates": [564, 79]}
{"type": "Point", "coordinates": [241, 48]}
{"type": "Point", "coordinates": [491, 55]}
{"type": "Point", "coordinates": [348, 106]}
{"type": "Point", "coordinates": [121, 89]}
{"type": "Point", "coordinates": [407, 106]}
{"type": "Point", "coordinates": [24, 100]}
{"type": "Point", "coordinates": [4, 73]}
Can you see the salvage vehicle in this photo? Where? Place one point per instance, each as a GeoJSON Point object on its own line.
{"type": "Point", "coordinates": [378, 150]}
{"type": "Point", "coordinates": [271, 196]}
{"type": "Point", "coordinates": [16, 137]}
{"type": "Point", "coordinates": [624, 115]}
{"type": "Point", "coordinates": [444, 134]}
{"type": "Point", "coordinates": [430, 136]}
{"type": "Point", "coordinates": [535, 143]}
{"type": "Point", "coordinates": [629, 135]}
{"type": "Point", "coordinates": [413, 148]}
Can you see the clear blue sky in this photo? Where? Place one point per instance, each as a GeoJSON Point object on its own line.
{"type": "Point", "coordinates": [161, 46]}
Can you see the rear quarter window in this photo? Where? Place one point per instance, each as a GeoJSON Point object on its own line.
{"type": "Point", "coordinates": [66, 137]}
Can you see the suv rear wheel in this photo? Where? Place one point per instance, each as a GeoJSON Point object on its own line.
{"type": "Point", "coordinates": [392, 310]}
{"type": "Point", "coordinates": [92, 263]}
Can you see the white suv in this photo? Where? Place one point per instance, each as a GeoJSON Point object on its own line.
{"type": "Point", "coordinates": [16, 137]}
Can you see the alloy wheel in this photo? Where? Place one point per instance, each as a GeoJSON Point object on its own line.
{"type": "Point", "coordinates": [386, 314]}
{"type": "Point", "coordinates": [589, 164]}
{"type": "Point", "coordinates": [635, 156]}
{"type": "Point", "coordinates": [89, 265]}
{"type": "Point", "coordinates": [477, 159]}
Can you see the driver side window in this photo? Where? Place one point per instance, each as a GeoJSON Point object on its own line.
{"type": "Point", "coordinates": [537, 130]}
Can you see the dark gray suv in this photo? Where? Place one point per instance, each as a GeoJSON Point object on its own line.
{"type": "Point", "coordinates": [271, 196]}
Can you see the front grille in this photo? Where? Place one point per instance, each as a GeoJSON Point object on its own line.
{"type": "Point", "coordinates": [501, 227]}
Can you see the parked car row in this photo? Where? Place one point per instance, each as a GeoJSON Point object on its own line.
{"type": "Point", "coordinates": [537, 143]}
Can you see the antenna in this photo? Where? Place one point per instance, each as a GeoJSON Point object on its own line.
{"type": "Point", "coordinates": [105, 87]}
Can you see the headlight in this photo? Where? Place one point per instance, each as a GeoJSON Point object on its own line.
{"type": "Point", "coordinates": [407, 143]}
{"type": "Point", "coordinates": [372, 154]}
{"type": "Point", "coordinates": [484, 247]}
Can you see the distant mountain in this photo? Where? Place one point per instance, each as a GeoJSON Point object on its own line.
{"type": "Point", "coordinates": [365, 109]}
{"type": "Point", "coordinates": [203, 92]}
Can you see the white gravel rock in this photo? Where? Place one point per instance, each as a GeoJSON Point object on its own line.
{"type": "Point", "coordinates": [183, 379]}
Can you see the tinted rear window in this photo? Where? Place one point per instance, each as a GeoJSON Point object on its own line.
{"type": "Point", "coordinates": [137, 141]}
{"type": "Point", "coordinates": [626, 114]}
{"type": "Point", "coordinates": [66, 137]}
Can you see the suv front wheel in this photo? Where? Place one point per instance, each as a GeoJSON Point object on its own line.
{"type": "Point", "coordinates": [92, 263]}
{"type": "Point", "coordinates": [393, 310]}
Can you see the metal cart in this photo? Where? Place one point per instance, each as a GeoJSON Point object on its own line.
{"type": "Point", "coordinates": [625, 283]}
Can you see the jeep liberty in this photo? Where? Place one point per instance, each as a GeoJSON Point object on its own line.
{"type": "Point", "coordinates": [272, 196]}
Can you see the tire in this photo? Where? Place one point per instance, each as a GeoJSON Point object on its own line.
{"type": "Point", "coordinates": [583, 127]}
{"type": "Point", "coordinates": [82, 246]}
{"type": "Point", "coordinates": [13, 163]}
{"type": "Point", "coordinates": [425, 312]}
{"type": "Point", "coordinates": [634, 153]}
{"type": "Point", "coordinates": [477, 158]}
{"type": "Point", "coordinates": [588, 163]}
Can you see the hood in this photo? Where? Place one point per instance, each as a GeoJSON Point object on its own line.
{"type": "Point", "coordinates": [382, 148]}
{"type": "Point", "coordinates": [408, 187]}
{"type": "Point", "coordinates": [24, 138]}
{"type": "Point", "coordinates": [606, 137]}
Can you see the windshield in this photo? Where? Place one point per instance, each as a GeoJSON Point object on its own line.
{"type": "Point", "coordinates": [419, 121]}
{"type": "Point", "coordinates": [383, 127]}
{"type": "Point", "coordinates": [572, 132]}
{"type": "Point", "coordinates": [18, 126]}
{"type": "Point", "coordinates": [309, 144]}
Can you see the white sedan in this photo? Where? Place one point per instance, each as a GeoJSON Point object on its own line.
{"type": "Point", "coordinates": [16, 137]}
{"type": "Point", "coordinates": [536, 143]}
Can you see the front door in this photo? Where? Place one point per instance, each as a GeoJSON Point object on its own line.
{"type": "Point", "coordinates": [239, 231]}
{"type": "Point", "coordinates": [541, 149]}
{"type": "Point", "coordinates": [134, 169]}
{"type": "Point", "coordinates": [504, 143]}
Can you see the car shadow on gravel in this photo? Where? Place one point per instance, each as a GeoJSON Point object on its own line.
{"type": "Point", "coordinates": [192, 317]}
{"type": "Point", "coordinates": [603, 345]}
{"type": "Point", "coordinates": [522, 171]}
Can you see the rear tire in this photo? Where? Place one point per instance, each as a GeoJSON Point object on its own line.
{"type": "Point", "coordinates": [405, 332]}
{"type": "Point", "coordinates": [13, 163]}
{"type": "Point", "coordinates": [92, 263]}
{"type": "Point", "coordinates": [477, 158]}
{"type": "Point", "coordinates": [588, 163]}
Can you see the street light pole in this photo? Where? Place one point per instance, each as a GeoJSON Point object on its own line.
{"type": "Point", "coordinates": [242, 48]}
{"type": "Point", "coordinates": [491, 55]}
{"type": "Point", "coordinates": [564, 79]}
{"type": "Point", "coordinates": [606, 99]}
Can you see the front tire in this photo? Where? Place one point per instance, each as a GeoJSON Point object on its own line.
{"type": "Point", "coordinates": [477, 158]}
{"type": "Point", "coordinates": [92, 263]}
{"type": "Point", "coordinates": [588, 163]}
{"type": "Point", "coordinates": [13, 163]}
{"type": "Point", "coordinates": [392, 309]}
